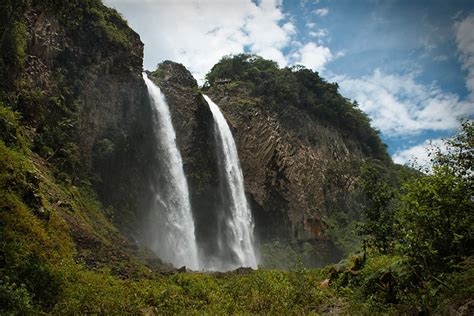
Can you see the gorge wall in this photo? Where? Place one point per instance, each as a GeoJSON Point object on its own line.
{"type": "Point", "coordinates": [298, 170]}
{"type": "Point", "coordinates": [289, 161]}
{"type": "Point", "coordinates": [75, 160]}
{"type": "Point", "coordinates": [78, 86]}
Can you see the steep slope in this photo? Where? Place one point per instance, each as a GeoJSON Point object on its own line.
{"type": "Point", "coordinates": [75, 133]}
{"type": "Point", "coordinates": [301, 161]}
{"type": "Point", "coordinates": [74, 73]}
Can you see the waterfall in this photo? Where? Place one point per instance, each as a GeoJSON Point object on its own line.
{"type": "Point", "coordinates": [238, 231]}
{"type": "Point", "coordinates": [170, 225]}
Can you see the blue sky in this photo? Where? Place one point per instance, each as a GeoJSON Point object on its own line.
{"type": "Point", "coordinates": [409, 64]}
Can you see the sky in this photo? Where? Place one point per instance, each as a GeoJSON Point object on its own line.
{"type": "Point", "coordinates": [408, 63]}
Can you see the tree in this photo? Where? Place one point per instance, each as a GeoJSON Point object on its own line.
{"type": "Point", "coordinates": [437, 214]}
{"type": "Point", "coordinates": [378, 211]}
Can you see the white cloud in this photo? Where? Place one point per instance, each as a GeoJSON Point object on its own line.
{"type": "Point", "coordinates": [440, 58]}
{"type": "Point", "coordinates": [465, 42]}
{"type": "Point", "coordinates": [399, 105]}
{"type": "Point", "coordinates": [319, 33]}
{"type": "Point", "coordinates": [418, 154]}
{"type": "Point", "coordinates": [313, 56]}
{"type": "Point", "coordinates": [322, 11]}
{"type": "Point", "coordinates": [289, 28]}
{"type": "Point", "coordinates": [198, 34]}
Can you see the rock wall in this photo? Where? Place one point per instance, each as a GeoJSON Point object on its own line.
{"type": "Point", "coordinates": [193, 123]}
{"type": "Point", "coordinates": [82, 93]}
{"type": "Point", "coordinates": [291, 162]}
{"type": "Point", "coordinates": [297, 170]}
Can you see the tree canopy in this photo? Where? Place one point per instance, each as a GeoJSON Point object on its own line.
{"type": "Point", "coordinates": [303, 88]}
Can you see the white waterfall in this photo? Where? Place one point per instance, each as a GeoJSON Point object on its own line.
{"type": "Point", "coordinates": [171, 222]}
{"type": "Point", "coordinates": [239, 221]}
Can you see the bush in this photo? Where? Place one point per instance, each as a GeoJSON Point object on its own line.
{"type": "Point", "coordinates": [436, 217]}
{"type": "Point", "coordinates": [14, 299]}
{"type": "Point", "coordinates": [378, 226]}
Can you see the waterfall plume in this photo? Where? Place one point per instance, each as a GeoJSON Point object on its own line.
{"type": "Point", "coordinates": [237, 228]}
{"type": "Point", "coordinates": [170, 225]}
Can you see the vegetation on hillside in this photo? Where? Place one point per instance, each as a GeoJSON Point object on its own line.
{"type": "Point", "coordinates": [58, 61]}
{"type": "Point", "coordinates": [419, 238]}
{"type": "Point", "coordinates": [51, 232]}
{"type": "Point", "coordinates": [423, 264]}
{"type": "Point", "coordinates": [301, 87]}
{"type": "Point", "coordinates": [52, 109]}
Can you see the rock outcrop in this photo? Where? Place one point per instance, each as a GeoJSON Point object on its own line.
{"type": "Point", "coordinates": [81, 94]}
{"type": "Point", "coordinates": [80, 89]}
{"type": "Point", "coordinates": [297, 169]}
{"type": "Point", "coordinates": [193, 123]}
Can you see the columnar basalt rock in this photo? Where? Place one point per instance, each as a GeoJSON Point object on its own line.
{"type": "Point", "coordinates": [288, 159]}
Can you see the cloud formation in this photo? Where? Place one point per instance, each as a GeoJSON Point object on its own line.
{"type": "Point", "coordinates": [319, 33]}
{"type": "Point", "coordinates": [198, 33]}
{"type": "Point", "coordinates": [313, 56]}
{"type": "Point", "coordinates": [322, 11]}
{"type": "Point", "coordinates": [418, 154]}
{"type": "Point", "coordinates": [465, 42]}
{"type": "Point", "coordinates": [399, 105]}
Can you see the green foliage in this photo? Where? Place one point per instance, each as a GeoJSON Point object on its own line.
{"type": "Point", "coordinates": [12, 41]}
{"type": "Point", "coordinates": [436, 217]}
{"type": "Point", "coordinates": [10, 131]}
{"type": "Point", "coordinates": [437, 220]}
{"type": "Point", "coordinates": [111, 25]}
{"type": "Point", "coordinates": [344, 196]}
{"type": "Point", "coordinates": [303, 88]}
{"type": "Point", "coordinates": [343, 231]}
{"type": "Point", "coordinates": [53, 109]}
{"type": "Point", "coordinates": [458, 156]}
{"type": "Point", "coordinates": [40, 279]}
{"type": "Point", "coordinates": [278, 255]}
{"type": "Point", "coordinates": [35, 242]}
{"type": "Point", "coordinates": [390, 284]}
{"type": "Point", "coordinates": [59, 254]}
{"type": "Point", "coordinates": [40, 275]}
{"type": "Point", "coordinates": [430, 268]}
{"type": "Point", "coordinates": [194, 293]}
{"type": "Point", "coordinates": [284, 254]}
{"type": "Point", "coordinates": [378, 226]}
{"type": "Point", "coordinates": [14, 299]}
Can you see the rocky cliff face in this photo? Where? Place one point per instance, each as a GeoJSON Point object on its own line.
{"type": "Point", "coordinates": [295, 167]}
{"type": "Point", "coordinates": [79, 88]}
{"type": "Point", "coordinates": [77, 82]}
{"type": "Point", "coordinates": [193, 123]}
{"type": "Point", "coordinates": [298, 170]}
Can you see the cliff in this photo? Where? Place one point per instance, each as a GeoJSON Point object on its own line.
{"type": "Point", "coordinates": [77, 146]}
{"type": "Point", "coordinates": [77, 84]}
{"type": "Point", "coordinates": [301, 145]}
{"type": "Point", "coordinates": [75, 143]}
{"type": "Point", "coordinates": [300, 169]}
{"type": "Point", "coordinates": [75, 78]}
